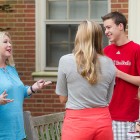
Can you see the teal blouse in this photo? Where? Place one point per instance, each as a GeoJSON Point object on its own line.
{"type": "Point", "coordinates": [11, 114]}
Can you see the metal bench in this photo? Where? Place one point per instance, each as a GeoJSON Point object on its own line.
{"type": "Point", "coordinates": [45, 127]}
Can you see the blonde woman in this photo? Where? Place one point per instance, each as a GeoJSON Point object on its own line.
{"type": "Point", "coordinates": [85, 83]}
{"type": "Point", "coordinates": [12, 93]}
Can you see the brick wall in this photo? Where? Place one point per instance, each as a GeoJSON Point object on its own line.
{"type": "Point", "coordinates": [121, 6]}
{"type": "Point", "coordinates": [22, 28]}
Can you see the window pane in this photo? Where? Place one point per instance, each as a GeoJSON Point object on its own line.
{"type": "Point", "coordinates": [78, 9]}
{"type": "Point", "coordinates": [57, 10]}
{"type": "Point", "coordinates": [56, 51]}
{"type": "Point", "coordinates": [57, 33]}
{"type": "Point", "coordinates": [105, 39]}
{"type": "Point", "coordinates": [73, 32]}
{"type": "Point", "coordinates": [98, 8]}
{"type": "Point", "coordinates": [59, 41]}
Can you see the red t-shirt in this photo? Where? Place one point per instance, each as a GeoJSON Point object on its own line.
{"type": "Point", "coordinates": [124, 105]}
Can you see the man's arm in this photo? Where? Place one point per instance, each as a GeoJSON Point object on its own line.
{"type": "Point", "coordinates": [129, 78]}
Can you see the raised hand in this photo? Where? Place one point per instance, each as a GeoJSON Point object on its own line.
{"type": "Point", "coordinates": [40, 84]}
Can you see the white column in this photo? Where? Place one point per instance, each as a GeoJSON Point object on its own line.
{"type": "Point", "coordinates": [134, 20]}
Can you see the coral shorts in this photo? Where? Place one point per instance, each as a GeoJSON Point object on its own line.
{"type": "Point", "coordinates": [87, 124]}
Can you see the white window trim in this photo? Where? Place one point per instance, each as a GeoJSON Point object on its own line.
{"type": "Point", "coordinates": [134, 20]}
{"type": "Point", "coordinates": [40, 49]}
{"type": "Point", "coordinates": [40, 34]}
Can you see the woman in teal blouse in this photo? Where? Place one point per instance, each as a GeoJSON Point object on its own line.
{"type": "Point", "coordinates": [12, 93]}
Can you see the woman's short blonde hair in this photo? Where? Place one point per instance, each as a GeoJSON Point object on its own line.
{"type": "Point", "coordinates": [10, 60]}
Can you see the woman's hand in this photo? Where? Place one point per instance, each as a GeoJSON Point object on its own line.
{"type": "Point", "coordinates": [3, 99]}
{"type": "Point", "coordinates": [40, 84]}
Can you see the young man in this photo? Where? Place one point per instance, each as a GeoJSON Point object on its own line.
{"type": "Point", "coordinates": [124, 107]}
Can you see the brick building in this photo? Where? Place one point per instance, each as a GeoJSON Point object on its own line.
{"type": "Point", "coordinates": [43, 30]}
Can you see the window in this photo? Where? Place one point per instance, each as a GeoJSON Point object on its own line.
{"type": "Point", "coordinates": [56, 25]}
